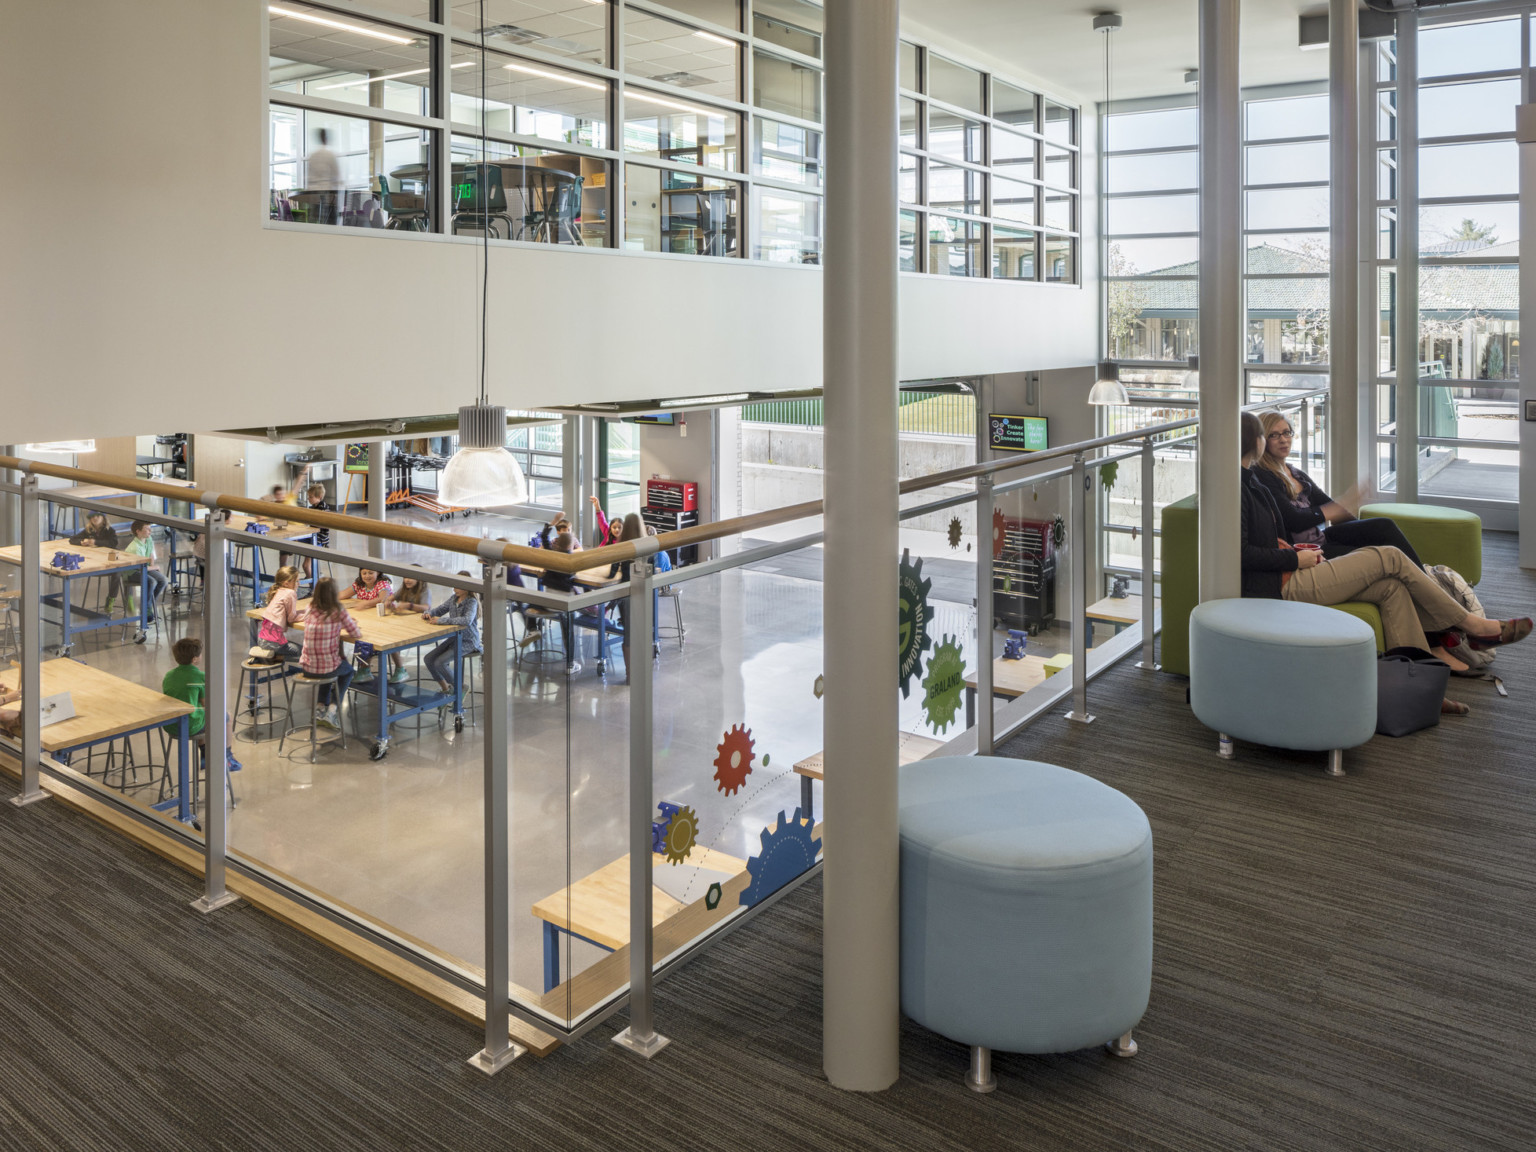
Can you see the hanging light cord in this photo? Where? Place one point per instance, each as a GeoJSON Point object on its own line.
{"type": "Point", "coordinates": [485, 205]}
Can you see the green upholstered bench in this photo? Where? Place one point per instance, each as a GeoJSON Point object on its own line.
{"type": "Point", "coordinates": [1181, 586]}
{"type": "Point", "coordinates": [1439, 535]}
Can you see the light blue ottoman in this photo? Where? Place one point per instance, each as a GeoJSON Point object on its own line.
{"type": "Point", "coordinates": [1283, 674]}
{"type": "Point", "coordinates": [1026, 908]}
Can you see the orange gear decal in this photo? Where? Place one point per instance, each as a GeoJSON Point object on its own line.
{"type": "Point", "coordinates": [733, 761]}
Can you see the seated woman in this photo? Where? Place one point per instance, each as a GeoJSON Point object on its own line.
{"type": "Point", "coordinates": [1310, 514]}
{"type": "Point", "coordinates": [1411, 603]}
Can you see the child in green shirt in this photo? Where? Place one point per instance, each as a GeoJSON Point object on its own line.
{"type": "Point", "coordinates": [187, 683]}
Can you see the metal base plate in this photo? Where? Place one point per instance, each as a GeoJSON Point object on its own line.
{"type": "Point", "coordinates": [203, 904]}
{"type": "Point", "coordinates": [22, 799]}
{"type": "Point", "coordinates": [1149, 667]}
{"type": "Point", "coordinates": [646, 1047]}
{"type": "Point", "coordinates": [490, 1064]}
{"type": "Point", "coordinates": [1080, 717]}
{"type": "Point", "coordinates": [982, 1086]}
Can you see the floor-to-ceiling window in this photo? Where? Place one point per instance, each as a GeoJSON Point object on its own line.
{"type": "Point", "coordinates": [1470, 80]}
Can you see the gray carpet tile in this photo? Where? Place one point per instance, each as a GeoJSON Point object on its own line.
{"type": "Point", "coordinates": [1340, 964]}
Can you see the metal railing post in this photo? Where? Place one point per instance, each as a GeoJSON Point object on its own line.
{"type": "Point", "coordinates": [1148, 558]}
{"type": "Point", "coordinates": [641, 1036]}
{"type": "Point", "coordinates": [215, 730]}
{"type": "Point", "coordinates": [984, 621]}
{"type": "Point", "coordinates": [1077, 541]}
{"type": "Point", "coordinates": [1306, 437]}
{"type": "Point", "coordinates": [31, 682]}
{"type": "Point", "coordinates": [499, 1050]}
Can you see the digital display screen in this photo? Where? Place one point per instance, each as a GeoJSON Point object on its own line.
{"type": "Point", "coordinates": [1017, 433]}
{"type": "Point", "coordinates": [659, 418]}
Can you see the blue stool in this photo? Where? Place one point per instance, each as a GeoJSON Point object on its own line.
{"type": "Point", "coordinates": [1026, 908]}
{"type": "Point", "coordinates": [1283, 674]}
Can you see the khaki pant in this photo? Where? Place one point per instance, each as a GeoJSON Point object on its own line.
{"type": "Point", "coordinates": [1411, 603]}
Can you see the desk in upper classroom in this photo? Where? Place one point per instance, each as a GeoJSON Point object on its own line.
{"type": "Point", "coordinates": [1121, 613]}
{"type": "Point", "coordinates": [97, 492]}
{"type": "Point", "coordinates": [598, 578]}
{"type": "Point", "coordinates": [109, 708]}
{"type": "Point", "coordinates": [910, 747]}
{"type": "Point", "coordinates": [395, 633]}
{"type": "Point", "coordinates": [1010, 678]}
{"type": "Point", "coordinates": [74, 619]}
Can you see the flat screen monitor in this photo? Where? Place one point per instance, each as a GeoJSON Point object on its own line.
{"type": "Point", "coordinates": [659, 418]}
{"type": "Point", "coordinates": [1017, 433]}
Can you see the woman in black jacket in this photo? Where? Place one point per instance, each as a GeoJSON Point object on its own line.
{"type": "Point", "coordinates": [1411, 603]}
{"type": "Point", "coordinates": [1310, 514]}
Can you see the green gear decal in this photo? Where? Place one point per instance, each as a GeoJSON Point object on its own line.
{"type": "Point", "coordinates": [913, 639]}
{"type": "Point", "coordinates": [946, 676]}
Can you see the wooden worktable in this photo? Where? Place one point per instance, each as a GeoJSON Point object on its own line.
{"type": "Point", "coordinates": [1120, 613]}
{"type": "Point", "coordinates": [1010, 678]}
{"type": "Point", "coordinates": [910, 746]}
{"type": "Point", "coordinates": [599, 903]}
{"type": "Point", "coordinates": [385, 633]}
{"type": "Point", "coordinates": [105, 705]}
{"type": "Point", "coordinates": [96, 560]}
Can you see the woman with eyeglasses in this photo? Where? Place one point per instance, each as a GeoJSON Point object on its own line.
{"type": "Point", "coordinates": [1412, 604]}
{"type": "Point", "coordinates": [1312, 516]}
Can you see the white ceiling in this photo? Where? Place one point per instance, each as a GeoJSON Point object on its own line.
{"type": "Point", "coordinates": [1053, 41]}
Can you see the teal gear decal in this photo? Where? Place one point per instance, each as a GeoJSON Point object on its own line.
{"type": "Point", "coordinates": [915, 614]}
{"type": "Point", "coordinates": [787, 851]}
{"type": "Point", "coordinates": [946, 676]}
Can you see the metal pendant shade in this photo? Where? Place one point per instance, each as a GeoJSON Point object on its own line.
{"type": "Point", "coordinates": [1108, 389]}
{"type": "Point", "coordinates": [482, 473]}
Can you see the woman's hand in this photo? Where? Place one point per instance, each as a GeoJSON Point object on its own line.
{"type": "Point", "coordinates": [1308, 558]}
{"type": "Point", "coordinates": [594, 500]}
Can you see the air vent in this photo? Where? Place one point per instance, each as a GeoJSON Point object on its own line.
{"type": "Point", "coordinates": [510, 32]}
{"type": "Point", "coordinates": [681, 79]}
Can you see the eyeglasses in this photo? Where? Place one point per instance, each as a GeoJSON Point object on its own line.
{"type": "Point", "coordinates": [1286, 435]}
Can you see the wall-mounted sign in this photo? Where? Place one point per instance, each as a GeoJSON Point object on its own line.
{"type": "Point", "coordinates": [1017, 433]}
{"type": "Point", "coordinates": [357, 458]}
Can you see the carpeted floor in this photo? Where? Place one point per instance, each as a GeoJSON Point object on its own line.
{"type": "Point", "coordinates": [1340, 964]}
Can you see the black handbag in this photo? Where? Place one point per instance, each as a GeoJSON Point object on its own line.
{"type": "Point", "coordinates": [1410, 683]}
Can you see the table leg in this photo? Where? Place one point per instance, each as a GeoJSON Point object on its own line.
{"type": "Point", "coordinates": [381, 690]}
{"type": "Point", "coordinates": [458, 676]}
{"type": "Point", "coordinates": [808, 798]}
{"type": "Point", "coordinates": [64, 644]}
{"type": "Point", "coordinates": [970, 707]}
{"type": "Point", "coordinates": [551, 956]}
{"type": "Point", "coordinates": [183, 771]}
{"type": "Point", "coordinates": [602, 636]}
{"type": "Point", "coordinates": [655, 623]}
{"type": "Point", "coordinates": [143, 599]}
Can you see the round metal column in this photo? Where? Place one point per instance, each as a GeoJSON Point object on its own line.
{"type": "Point", "coordinates": [861, 942]}
{"type": "Point", "coordinates": [1407, 336]}
{"type": "Point", "coordinates": [1221, 300]}
{"type": "Point", "coordinates": [1344, 386]}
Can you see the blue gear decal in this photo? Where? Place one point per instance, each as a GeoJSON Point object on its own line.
{"type": "Point", "coordinates": [913, 638]}
{"type": "Point", "coordinates": [787, 851]}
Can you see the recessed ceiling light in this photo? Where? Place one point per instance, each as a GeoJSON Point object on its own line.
{"type": "Point", "coordinates": [636, 94]}
{"type": "Point", "coordinates": [553, 76]}
{"type": "Point", "coordinates": [391, 76]}
{"type": "Point", "coordinates": [339, 24]}
{"type": "Point", "coordinates": [713, 39]}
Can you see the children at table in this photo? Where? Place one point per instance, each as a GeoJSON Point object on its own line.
{"type": "Point", "coordinates": [281, 613]}
{"type": "Point", "coordinates": [142, 543]}
{"type": "Point", "coordinates": [10, 718]}
{"type": "Point", "coordinates": [374, 589]}
{"type": "Point", "coordinates": [462, 611]}
{"type": "Point", "coordinates": [326, 623]}
{"type": "Point", "coordinates": [97, 533]}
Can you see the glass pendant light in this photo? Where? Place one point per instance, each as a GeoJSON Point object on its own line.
{"type": "Point", "coordinates": [1107, 389]}
{"type": "Point", "coordinates": [482, 473]}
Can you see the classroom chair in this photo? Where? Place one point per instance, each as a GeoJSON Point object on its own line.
{"type": "Point", "coordinates": [306, 680]}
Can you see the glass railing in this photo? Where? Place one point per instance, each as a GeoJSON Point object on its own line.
{"type": "Point", "coordinates": [551, 825]}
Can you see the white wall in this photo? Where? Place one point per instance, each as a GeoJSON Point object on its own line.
{"type": "Point", "coordinates": [142, 284]}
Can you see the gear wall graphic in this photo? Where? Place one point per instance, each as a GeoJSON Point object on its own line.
{"type": "Point", "coordinates": [999, 532]}
{"type": "Point", "coordinates": [733, 759]}
{"type": "Point", "coordinates": [786, 852]}
{"type": "Point", "coordinates": [913, 639]}
{"type": "Point", "coordinates": [956, 530]}
{"type": "Point", "coordinates": [946, 676]}
{"type": "Point", "coordinates": [682, 830]}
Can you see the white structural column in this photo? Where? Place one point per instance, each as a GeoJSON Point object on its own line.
{"type": "Point", "coordinates": [1525, 133]}
{"type": "Point", "coordinates": [378, 452]}
{"type": "Point", "coordinates": [861, 944]}
{"type": "Point", "coordinates": [1344, 390]}
{"type": "Point", "coordinates": [1368, 288]}
{"type": "Point", "coordinates": [1407, 340]}
{"type": "Point", "coordinates": [1221, 301]}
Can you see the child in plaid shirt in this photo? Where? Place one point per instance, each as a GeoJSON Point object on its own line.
{"type": "Point", "coordinates": [326, 622]}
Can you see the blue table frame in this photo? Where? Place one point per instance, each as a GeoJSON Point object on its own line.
{"type": "Point", "coordinates": [75, 620]}
{"type": "Point", "coordinates": [412, 699]}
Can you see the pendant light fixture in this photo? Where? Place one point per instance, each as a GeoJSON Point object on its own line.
{"type": "Point", "coordinates": [1107, 388]}
{"type": "Point", "coordinates": [482, 473]}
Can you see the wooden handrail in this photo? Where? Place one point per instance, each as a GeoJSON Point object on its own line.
{"type": "Point", "coordinates": [621, 553]}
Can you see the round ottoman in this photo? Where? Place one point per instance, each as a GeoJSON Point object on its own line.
{"type": "Point", "coordinates": [1283, 674]}
{"type": "Point", "coordinates": [1448, 536]}
{"type": "Point", "coordinates": [1026, 908]}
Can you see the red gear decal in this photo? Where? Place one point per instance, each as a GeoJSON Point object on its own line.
{"type": "Point", "coordinates": [734, 760]}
